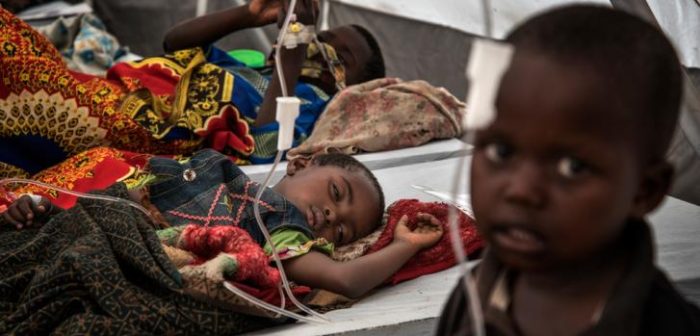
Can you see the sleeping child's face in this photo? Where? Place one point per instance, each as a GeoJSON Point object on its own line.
{"type": "Point", "coordinates": [557, 175]}
{"type": "Point", "coordinates": [339, 205]}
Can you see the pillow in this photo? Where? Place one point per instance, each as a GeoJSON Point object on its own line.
{"type": "Point", "coordinates": [434, 259]}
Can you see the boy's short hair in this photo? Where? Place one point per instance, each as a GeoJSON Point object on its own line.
{"type": "Point", "coordinates": [375, 66]}
{"type": "Point", "coordinates": [637, 63]}
{"type": "Point", "coordinates": [349, 163]}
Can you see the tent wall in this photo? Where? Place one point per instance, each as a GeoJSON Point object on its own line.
{"type": "Point", "coordinates": [412, 49]}
{"type": "Point", "coordinates": [141, 24]}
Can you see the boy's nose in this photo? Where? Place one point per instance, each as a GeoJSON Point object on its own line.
{"type": "Point", "coordinates": [331, 216]}
{"type": "Point", "coordinates": [526, 186]}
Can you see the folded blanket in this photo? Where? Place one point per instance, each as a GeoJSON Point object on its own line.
{"type": "Point", "coordinates": [101, 270]}
{"type": "Point", "coordinates": [384, 114]}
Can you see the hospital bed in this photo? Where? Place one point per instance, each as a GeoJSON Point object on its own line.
{"type": "Point", "coordinates": [411, 308]}
{"type": "Point", "coordinates": [432, 151]}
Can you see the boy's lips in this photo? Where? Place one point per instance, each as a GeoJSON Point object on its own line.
{"type": "Point", "coordinates": [518, 240]}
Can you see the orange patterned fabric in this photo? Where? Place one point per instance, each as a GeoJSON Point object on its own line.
{"type": "Point", "coordinates": [94, 169]}
{"type": "Point", "coordinates": [163, 105]}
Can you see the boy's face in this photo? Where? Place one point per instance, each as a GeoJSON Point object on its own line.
{"type": "Point", "coordinates": [339, 205]}
{"type": "Point", "coordinates": [556, 176]}
{"type": "Point", "coordinates": [352, 49]}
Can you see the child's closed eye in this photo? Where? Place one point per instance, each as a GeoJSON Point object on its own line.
{"type": "Point", "coordinates": [335, 192]}
{"type": "Point", "coordinates": [340, 234]}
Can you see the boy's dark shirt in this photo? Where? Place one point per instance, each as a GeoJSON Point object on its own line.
{"type": "Point", "coordinates": [642, 303]}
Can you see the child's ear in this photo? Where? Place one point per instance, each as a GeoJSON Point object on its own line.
{"type": "Point", "coordinates": [297, 164]}
{"type": "Point", "coordinates": [655, 184]}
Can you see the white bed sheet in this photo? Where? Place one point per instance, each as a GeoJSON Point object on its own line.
{"type": "Point", "coordinates": [432, 151]}
{"type": "Point", "coordinates": [411, 308]}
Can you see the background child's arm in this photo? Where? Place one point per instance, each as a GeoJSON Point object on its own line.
{"type": "Point", "coordinates": [356, 277]}
{"type": "Point", "coordinates": [208, 28]}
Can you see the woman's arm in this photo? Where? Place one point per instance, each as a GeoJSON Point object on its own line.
{"type": "Point", "coordinates": [209, 28]}
{"type": "Point", "coordinates": [356, 277]}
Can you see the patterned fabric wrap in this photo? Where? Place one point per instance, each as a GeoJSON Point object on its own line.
{"type": "Point", "coordinates": [384, 114]}
{"type": "Point", "coordinates": [226, 252]}
{"type": "Point", "coordinates": [248, 95]}
{"type": "Point", "coordinates": [93, 169]}
{"type": "Point", "coordinates": [164, 105]}
{"type": "Point", "coordinates": [101, 270]}
{"type": "Point", "coordinates": [431, 260]}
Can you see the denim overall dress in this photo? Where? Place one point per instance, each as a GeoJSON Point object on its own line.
{"type": "Point", "coordinates": [210, 189]}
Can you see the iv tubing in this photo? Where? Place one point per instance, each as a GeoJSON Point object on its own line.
{"type": "Point", "coordinates": [256, 206]}
{"type": "Point", "coordinates": [278, 55]}
{"type": "Point", "coordinates": [275, 256]}
{"type": "Point", "coordinates": [465, 271]}
{"type": "Point", "coordinates": [107, 198]}
{"type": "Point", "coordinates": [77, 193]}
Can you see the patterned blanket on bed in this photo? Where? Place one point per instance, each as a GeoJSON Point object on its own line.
{"type": "Point", "coordinates": [162, 105]}
{"type": "Point", "coordinates": [101, 270]}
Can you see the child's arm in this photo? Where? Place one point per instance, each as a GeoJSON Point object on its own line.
{"type": "Point", "coordinates": [23, 211]}
{"type": "Point", "coordinates": [356, 277]}
{"type": "Point", "coordinates": [208, 28]}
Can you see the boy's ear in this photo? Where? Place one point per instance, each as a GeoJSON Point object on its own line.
{"type": "Point", "coordinates": [297, 164]}
{"type": "Point", "coordinates": [655, 184]}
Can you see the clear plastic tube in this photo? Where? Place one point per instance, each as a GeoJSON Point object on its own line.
{"type": "Point", "coordinates": [256, 205]}
{"type": "Point", "coordinates": [275, 255]}
{"type": "Point", "coordinates": [278, 54]}
{"type": "Point", "coordinates": [468, 281]}
{"type": "Point", "coordinates": [107, 198]}
{"type": "Point", "coordinates": [245, 296]}
{"type": "Point", "coordinates": [266, 305]}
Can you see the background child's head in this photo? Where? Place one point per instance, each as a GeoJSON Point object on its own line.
{"type": "Point", "coordinates": [586, 112]}
{"type": "Point", "coordinates": [341, 198]}
{"type": "Point", "coordinates": [357, 50]}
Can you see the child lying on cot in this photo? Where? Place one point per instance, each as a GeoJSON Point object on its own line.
{"type": "Point", "coordinates": [354, 57]}
{"type": "Point", "coordinates": [322, 202]}
{"type": "Point", "coordinates": [563, 179]}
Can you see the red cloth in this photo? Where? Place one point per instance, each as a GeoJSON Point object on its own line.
{"type": "Point", "coordinates": [254, 274]}
{"type": "Point", "coordinates": [438, 257]}
{"type": "Point", "coordinates": [209, 242]}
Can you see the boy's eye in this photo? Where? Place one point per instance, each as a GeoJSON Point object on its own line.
{"type": "Point", "coordinates": [340, 234]}
{"type": "Point", "coordinates": [336, 193]}
{"type": "Point", "coordinates": [570, 167]}
{"type": "Point", "coordinates": [497, 152]}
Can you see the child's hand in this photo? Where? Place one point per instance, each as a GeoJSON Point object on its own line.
{"type": "Point", "coordinates": [264, 11]}
{"type": "Point", "coordinates": [306, 12]}
{"type": "Point", "coordinates": [427, 233]}
{"type": "Point", "coordinates": [24, 211]}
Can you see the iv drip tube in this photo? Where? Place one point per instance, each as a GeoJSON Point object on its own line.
{"type": "Point", "coordinates": [76, 193]}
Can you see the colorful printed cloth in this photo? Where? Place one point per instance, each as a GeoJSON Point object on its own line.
{"type": "Point", "coordinates": [94, 169]}
{"type": "Point", "coordinates": [248, 95]}
{"type": "Point", "coordinates": [384, 114]}
{"type": "Point", "coordinates": [101, 270]}
{"type": "Point", "coordinates": [167, 105]}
